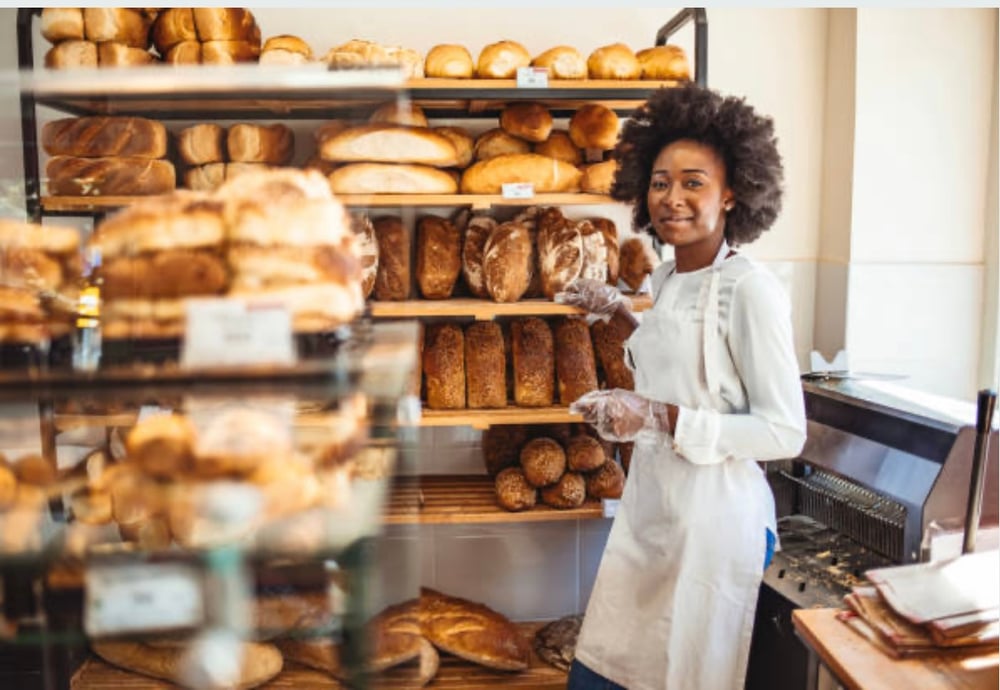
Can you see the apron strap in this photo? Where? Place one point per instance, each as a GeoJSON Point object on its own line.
{"type": "Point", "coordinates": [710, 334]}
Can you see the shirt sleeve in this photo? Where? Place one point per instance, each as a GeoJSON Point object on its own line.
{"type": "Point", "coordinates": [763, 352]}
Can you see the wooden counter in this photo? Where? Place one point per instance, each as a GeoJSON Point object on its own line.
{"type": "Point", "coordinates": [860, 666]}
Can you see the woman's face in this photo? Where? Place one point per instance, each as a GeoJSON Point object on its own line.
{"type": "Point", "coordinates": [688, 195]}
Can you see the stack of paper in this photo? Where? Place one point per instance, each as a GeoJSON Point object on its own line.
{"type": "Point", "coordinates": [950, 606]}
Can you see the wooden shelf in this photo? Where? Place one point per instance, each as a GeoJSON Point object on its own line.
{"type": "Point", "coordinates": [453, 674]}
{"type": "Point", "coordinates": [483, 419]}
{"type": "Point", "coordinates": [466, 499]}
{"type": "Point", "coordinates": [482, 309]}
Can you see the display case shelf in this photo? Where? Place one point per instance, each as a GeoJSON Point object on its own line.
{"type": "Point", "coordinates": [482, 309]}
{"type": "Point", "coordinates": [483, 419]}
{"type": "Point", "coordinates": [465, 499]}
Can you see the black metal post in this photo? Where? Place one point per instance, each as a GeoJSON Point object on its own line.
{"type": "Point", "coordinates": [700, 18]}
{"type": "Point", "coordinates": [985, 404]}
{"type": "Point", "coordinates": [29, 133]}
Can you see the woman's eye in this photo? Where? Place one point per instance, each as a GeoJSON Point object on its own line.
{"type": "Point", "coordinates": [693, 184]}
{"type": "Point", "coordinates": [658, 185]}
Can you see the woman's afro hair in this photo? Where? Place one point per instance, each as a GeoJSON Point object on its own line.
{"type": "Point", "coordinates": [744, 140]}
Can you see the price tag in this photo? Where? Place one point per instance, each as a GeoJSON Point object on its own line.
{"type": "Point", "coordinates": [517, 190]}
{"type": "Point", "coordinates": [147, 411]}
{"type": "Point", "coordinates": [532, 78]}
{"type": "Point", "coordinates": [610, 506]}
{"type": "Point", "coordinates": [136, 597]}
{"type": "Point", "coordinates": [233, 332]}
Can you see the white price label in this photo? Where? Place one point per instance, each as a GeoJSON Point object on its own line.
{"type": "Point", "coordinates": [232, 332]}
{"type": "Point", "coordinates": [147, 411]}
{"type": "Point", "coordinates": [610, 506]}
{"type": "Point", "coordinates": [532, 78]}
{"type": "Point", "coordinates": [517, 190]}
{"type": "Point", "coordinates": [137, 597]}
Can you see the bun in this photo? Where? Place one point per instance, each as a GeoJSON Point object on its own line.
{"type": "Point", "coordinates": [131, 176]}
{"type": "Point", "coordinates": [507, 267]}
{"type": "Point", "coordinates": [575, 368]}
{"type": "Point", "coordinates": [514, 493]}
{"type": "Point", "coordinates": [272, 144]}
{"type": "Point", "coordinates": [439, 257]}
{"type": "Point", "coordinates": [637, 261]}
{"type": "Point", "coordinates": [664, 62]}
{"type": "Point", "coordinates": [598, 177]}
{"type": "Point", "coordinates": [563, 62]}
{"type": "Point", "coordinates": [615, 61]}
{"type": "Point", "coordinates": [390, 144]}
{"type": "Point", "coordinates": [497, 142]}
{"type": "Point", "coordinates": [395, 113]}
{"type": "Point", "coordinates": [449, 61]}
{"type": "Point", "coordinates": [162, 445]}
{"type": "Point", "coordinates": [545, 174]}
{"type": "Point", "coordinates": [533, 362]}
{"type": "Point", "coordinates": [183, 53]}
{"type": "Point", "coordinates": [559, 146]}
{"type": "Point", "coordinates": [359, 53]}
{"type": "Point", "coordinates": [62, 24]}
{"type": "Point", "coordinates": [444, 366]}
{"type": "Point", "coordinates": [387, 178]}
{"type": "Point", "coordinates": [477, 232]}
{"type": "Point", "coordinates": [93, 137]}
{"type": "Point", "coordinates": [543, 461]}
{"type": "Point", "coordinates": [229, 52]}
{"type": "Point", "coordinates": [500, 60]}
{"type": "Point", "coordinates": [594, 126]}
{"type": "Point", "coordinates": [285, 49]}
{"type": "Point", "coordinates": [584, 453]}
{"type": "Point", "coordinates": [111, 54]}
{"type": "Point", "coordinates": [201, 144]}
{"type": "Point", "coordinates": [529, 121]}
{"type": "Point", "coordinates": [173, 26]}
{"type": "Point", "coordinates": [392, 282]}
{"type": "Point", "coordinates": [485, 365]}
{"type": "Point", "coordinates": [569, 492]}
{"type": "Point", "coordinates": [226, 24]}
{"type": "Point", "coordinates": [607, 482]}
{"type": "Point", "coordinates": [461, 140]}
{"type": "Point", "coordinates": [118, 24]}
{"type": "Point", "coordinates": [70, 54]}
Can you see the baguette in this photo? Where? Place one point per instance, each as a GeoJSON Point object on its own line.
{"type": "Point", "coordinates": [272, 144]}
{"type": "Point", "coordinates": [94, 137]}
{"type": "Point", "coordinates": [126, 176]}
{"type": "Point", "coordinates": [545, 174]}
{"type": "Point", "coordinates": [387, 143]}
{"type": "Point", "coordinates": [386, 178]}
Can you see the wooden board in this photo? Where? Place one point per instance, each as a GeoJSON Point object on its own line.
{"type": "Point", "coordinates": [466, 499]}
{"type": "Point", "coordinates": [860, 666]}
{"type": "Point", "coordinates": [482, 309]}
{"type": "Point", "coordinates": [483, 419]}
{"type": "Point", "coordinates": [453, 674]}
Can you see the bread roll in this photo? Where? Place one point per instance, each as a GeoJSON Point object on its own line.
{"type": "Point", "coordinates": [272, 144]}
{"type": "Point", "coordinates": [514, 493]}
{"type": "Point", "coordinates": [507, 265]}
{"type": "Point", "coordinates": [173, 26]}
{"type": "Point", "coordinates": [439, 257]}
{"type": "Point", "coordinates": [500, 60]}
{"type": "Point", "coordinates": [201, 144]}
{"type": "Point", "coordinates": [615, 61]}
{"type": "Point", "coordinates": [119, 24]}
{"type": "Point", "coordinates": [497, 142]}
{"type": "Point", "coordinates": [559, 146]}
{"type": "Point", "coordinates": [606, 482]}
{"type": "Point", "coordinates": [584, 453]}
{"type": "Point", "coordinates": [127, 176]}
{"type": "Point", "coordinates": [598, 177]}
{"type": "Point", "coordinates": [594, 126]}
{"type": "Point", "coordinates": [162, 445]}
{"type": "Point", "coordinates": [485, 366]}
{"type": "Point", "coordinates": [569, 492]}
{"type": "Point", "coordinates": [545, 174]}
{"type": "Point", "coordinates": [444, 366]}
{"type": "Point", "coordinates": [387, 178]}
{"type": "Point", "coordinates": [473, 248]}
{"type": "Point", "coordinates": [229, 52]}
{"type": "Point", "coordinates": [462, 141]}
{"type": "Point", "coordinates": [260, 662]}
{"type": "Point", "coordinates": [97, 136]}
{"type": "Point", "coordinates": [392, 282]}
{"type": "Point", "coordinates": [637, 261]}
{"type": "Point", "coordinates": [576, 370]}
{"type": "Point", "coordinates": [533, 362]}
{"type": "Point", "coordinates": [560, 251]}
{"type": "Point", "coordinates": [501, 446]}
{"type": "Point", "coordinates": [609, 347]}
{"type": "Point", "coordinates": [543, 461]}
{"type": "Point", "coordinates": [595, 252]}
{"type": "Point", "coordinates": [62, 24]}
{"type": "Point", "coordinates": [664, 62]}
{"type": "Point", "coordinates": [397, 113]}
{"type": "Point", "coordinates": [528, 121]}
{"type": "Point", "coordinates": [389, 143]}
{"type": "Point", "coordinates": [610, 234]}
{"type": "Point", "coordinates": [285, 49]}
{"type": "Point", "coordinates": [358, 53]}
{"type": "Point", "coordinates": [226, 24]}
{"type": "Point", "coordinates": [449, 61]}
{"type": "Point", "coordinates": [563, 62]}
{"type": "Point", "coordinates": [183, 53]}
{"type": "Point", "coordinates": [70, 54]}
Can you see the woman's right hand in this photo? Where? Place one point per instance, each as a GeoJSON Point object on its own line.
{"type": "Point", "coordinates": [593, 296]}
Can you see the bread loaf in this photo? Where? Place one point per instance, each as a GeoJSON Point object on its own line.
{"type": "Point", "coordinates": [97, 136]}
{"type": "Point", "coordinates": [576, 371]}
{"type": "Point", "coordinates": [485, 366]}
{"type": "Point", "coordinates": [500, 60]}
{"type": "Point", "coordinates": [111, 54]}
{"type": "Point", "coordinates": [546, 175]}
{"type": "Point", "coordinates": [664, 62]}
{"type": "Point", "coordinates": [358, 53]}
{"type": "Point", "coordinates": [560, 251]}
{"type": "Point", "coordinates": [62, 24]}
{"type": "Point", "coordinates": [507, 265]}
{"type": "Point", "coordinates": [473, 248]}
{"type": "Point", "coordinates": [444, 366]}
{"type": "Point", "coordinates": [319, 653]}
{"type": "Point", "coordinates": [461, 140]}
{"type": "Point", "coordinates": [387, 143]}
{"type": "Point", "coordinates": [226, 24]}
{"type": "Point", "coordinates": [543, 461]}
{"type": "Point", "coordinates": [625, 453]}
{"type": "Point", "coordinates": [569, 492]}
{"type": "Point", "coordinates": [594, 127]}
{"type": "Point", "coordinates": [497, 142]}
{"type": "Point", "coordinates": [249, 143]}
{"type": "Point", "coordinates": [229, 52]}
{"type": "Point", "coordinates": [532, 359]}
{"type": "Point", "coordinates": [119, 24]}
{"type": "Point", "coordinates": [598, 177]}
{"type": "Point", "coordinates": [449, 61]}
{"type": "Point", "coordinates": [387, 178]}
{"type": "Point", "coordinates": [615, 61]}
{"type": "Point", "coordinates": [584, 453]}
{"type": "Point", "coordinates": [201, 144]}
{"type": "Point", "coordinates": [560, 147]}
{"type": "Point", "coordinates": [173, 26]}
{"type": "Point", "coordinates": [610, 234]}
{"type": "Point", "coordinates": [392, 282]}
{"type": "Point", "coordinates": [183, 53]}
{"type": "Point", "coordinates": [637, 261]}
{"type": "Point", "coordinates": [396, 113]}
{"type": "Point", "coordinates": [501, 446]}
{"type": "Point", "coordinates": [439, 257]}
{"type": "Point", "coordinates": [127, 176]}
{"type": "Point", "coordinates": [364, 233]}
{"type": "Point", "coordinates": [563, 62]}
{"type": "Point", "coordinates": [609, 347]}
{"type": "Point", "coordinates": [514, 493]}
{"type": "Point", "coordinates": [606, 482]}
{"type": "Point", "coordinates": [70, 54]}
{"type": "Point", "coordinates": [595, 252]}
{"type": "Point", "coordinates": [260, 662]}
{"type": "Point", "coordinates": [285, 49]}
{"type": "Point", "coordinates": [526, 120]}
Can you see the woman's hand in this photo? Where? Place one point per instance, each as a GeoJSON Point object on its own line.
{"type": "Point", "coordinates": [622, 415]}
{"type": "Point", "coordinates": [593, 296]}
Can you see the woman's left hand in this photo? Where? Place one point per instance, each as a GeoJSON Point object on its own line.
{"type": "Point", "coordinates": [619, 414]}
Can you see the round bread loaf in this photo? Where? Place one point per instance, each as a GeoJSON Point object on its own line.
{"type": "Point", "coordinates": [594, 126]}
{"type": "Point", "coordinates": [501, 446]}
{"type": "Point", "coordinates": [559, 146]}
{"type": "Point", "coordinates": [497, 142]}
{"type": "Point", "coordinates": [664, 62]}
{"type": "Point", "coordinates": [636, 261]}
{"type": "Point", "coordinates": [563, 62]}
{"type": "Point", "coordinates": [396, 113]}
{"type": "Point", "coordinates": [36, 470]}
{"type": "Point", "coordinates": [513, 490]}
{"type": "Point", "coordinates": [607, 482]}
{"type": "Point", "coordinates": [584, 453]}
{"type": "Point", "coordinates": [615, 61]}
{"type": "Point", "coordinates": [449, 61]}
{"type": "Point", "coordinates": [500, 60]}
{"type": "Point", "coordinates": [569, 492]}
{"type": "Point", "coordinates": [528, 121]}
{"type": "Point", "coordinates": [598, 177]}
{"type": "Point", "coordinates": [543, 461]}
{"type": "Point", "coordinates": [462, 141]}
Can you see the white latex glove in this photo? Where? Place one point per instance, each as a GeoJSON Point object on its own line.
{"type": "Point", "coordinates": [597, 298]}
{"type": "Point", "coordinates": [621, 415]}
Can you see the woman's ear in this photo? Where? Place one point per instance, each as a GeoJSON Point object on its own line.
{"type": "Point", "coordinates": [728, 202]}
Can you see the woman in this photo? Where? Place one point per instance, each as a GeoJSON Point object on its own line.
{"type": "Point", "coordinates": [716, 389]}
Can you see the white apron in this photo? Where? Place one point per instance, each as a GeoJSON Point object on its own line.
{"type": "Point", "coordinates": [674, 599]}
